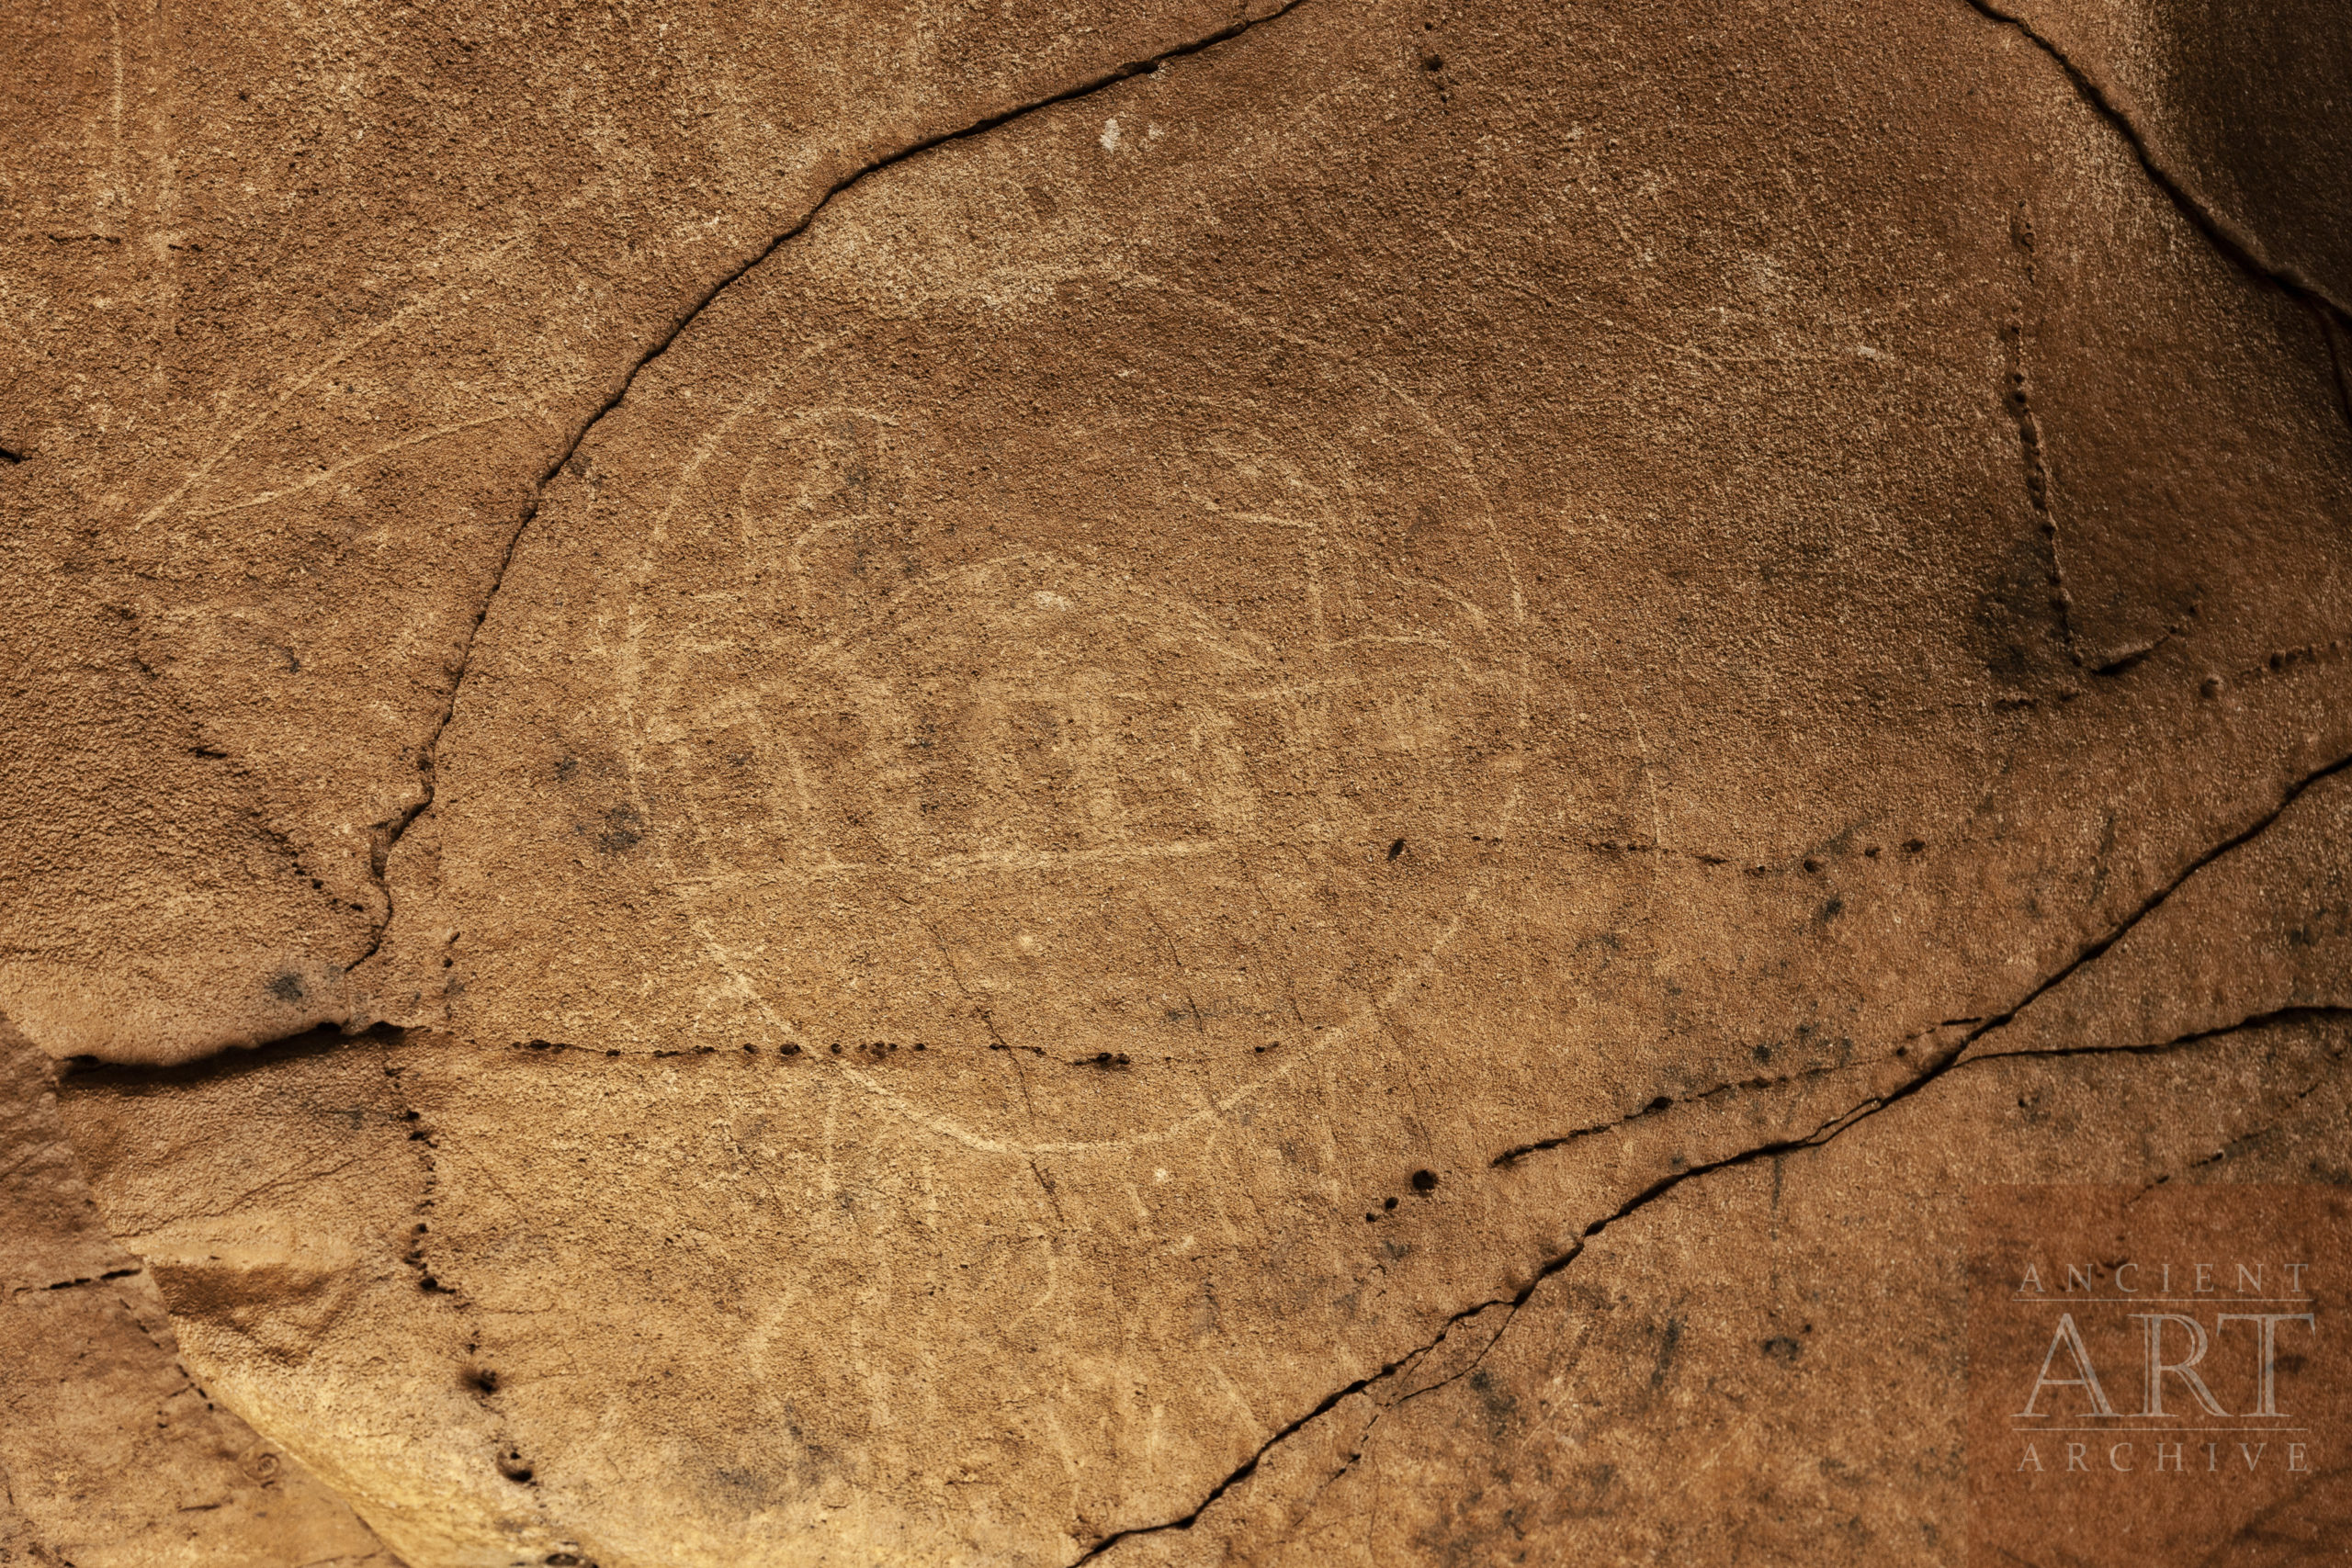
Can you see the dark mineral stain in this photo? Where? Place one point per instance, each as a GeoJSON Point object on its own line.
{"type": "Point", "coordinates": [624, 830]}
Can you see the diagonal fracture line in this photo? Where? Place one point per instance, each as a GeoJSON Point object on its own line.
{"type": "Point", "coordinates": [2239, 247]}
{"type": "Point", "coordinates": [397, 826]}
{"type": "Point", "coordinates": [1821, 1134]}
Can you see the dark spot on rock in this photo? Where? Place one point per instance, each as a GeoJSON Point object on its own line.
{"type": "Point", "coordinates": [1425, 1181]}
{"type": "Point", "coordinates": [1832, 909]}
{"type": "Point", "coordinates": [511, 1465]}
{"type": "Point", "coordinates": [1912, 846]}
{"type": "Point", "coordinates": [1662, 1102]}
{"type": "Point", "coordinates": [1783, 1348]}
{"type": "Point", "coordinates": [624, 830]}
{"type": "Point", "coordinates": [1388, 1203]}
{"type": "Point", "coordinates": [791, 1050]}
{"type": "Point", "coordinates": [481, 1380]}
{"type": "Point", "coordinates": [1763, 1052]}
{"type": "Point", "coordinates": [287, 988]}
{"type": "Point", "coordinates": [1397, 848]}
{"type": "Point", "coordinates": [1813, 865]}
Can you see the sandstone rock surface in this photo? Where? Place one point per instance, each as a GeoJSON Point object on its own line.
{"type": "Point", "coordinates": [1300, 783]}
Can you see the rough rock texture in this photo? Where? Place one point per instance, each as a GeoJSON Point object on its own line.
{"type": "Point", "coordinates": [1201, 784]}
{"type": "Point", "coordinates": [303, 307]}
{"type": "Point", "coordinates": [1666, 1399]}
{"type": "Point", "coordinates": [110, 1452]}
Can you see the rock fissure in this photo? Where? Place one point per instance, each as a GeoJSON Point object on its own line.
{"type": "Point", "coordinates": [2334, 331]}
{"type": "Point", "coordinates": [2244, 1139]}
{"type": "Point", "coordinates": [2177, 1042]}
{"type": "Point", "coordinates": [1819, 1136]}
{"type": "Point", "coordinates": [393, 829]}
{"type": "Point", "coordinates": [2241, 249]}
{"type": "Point", "coordinates": [1323, 1407]}
{"type": "Point", "coordinates": [1951, 1057]}
{"type": "Point", "coordinates": [1658, 1106]}
{"type": "Point", "coordinates": [1077, 599]}
{"type": "Point", "coordinates": [77, 1282]}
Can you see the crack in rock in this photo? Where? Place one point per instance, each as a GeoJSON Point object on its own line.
{"type": "Point", "coordinates": [2243, 1139]}
{"type": "Point", "coordinates": [388, 833]}
{"type": "Point", "coordinates": [2244, 249]}
{"type": "Point", "coordinates": [1944, 1062]}
{"type": "Point", "coordinates": [1818, 1137]}
{"type": "Point", "coordinates": [77, 1282]}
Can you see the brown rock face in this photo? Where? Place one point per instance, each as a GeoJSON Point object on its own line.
{"type": "Point", "coordinates": [1324, 783]}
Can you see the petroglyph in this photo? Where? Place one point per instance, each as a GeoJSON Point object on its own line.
{"type": "Point", "coordinates": [1296, 784]}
